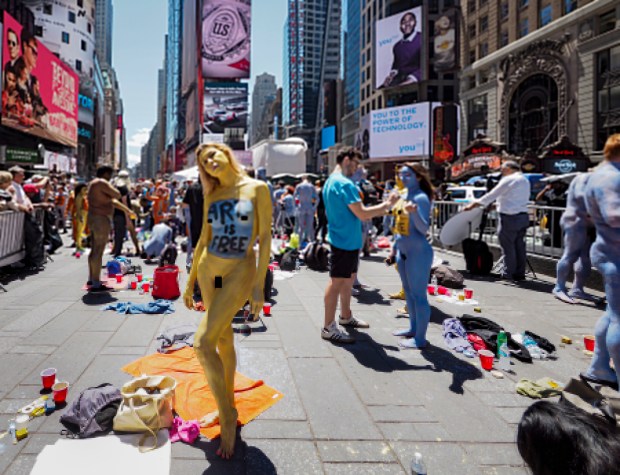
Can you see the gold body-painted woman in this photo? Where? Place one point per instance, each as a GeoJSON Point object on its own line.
{"type": "Point", "coordinates": [237, 213]}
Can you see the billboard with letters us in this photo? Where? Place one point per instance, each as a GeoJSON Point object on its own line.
{"type": "Point", "coordinates": [226, 39]}
{"type": "Point", "coordinates": [40, 92]}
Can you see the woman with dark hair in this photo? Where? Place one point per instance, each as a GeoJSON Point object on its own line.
{"type": "Point", "coordinates": [413, 253]}
{"type": "Point", "coordinates": [559, 439]}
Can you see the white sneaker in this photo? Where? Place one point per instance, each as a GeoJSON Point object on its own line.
{"type": "Point", "coordinates": [353, 322]}
{"type": "Point", "coordinates": [336, 335]}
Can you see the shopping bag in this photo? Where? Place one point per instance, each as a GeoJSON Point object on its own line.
{"type": "Point", "coordinates": [166, 283]}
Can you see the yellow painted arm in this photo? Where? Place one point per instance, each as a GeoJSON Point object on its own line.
{"type": "Point", "coordinates": [264, 216]}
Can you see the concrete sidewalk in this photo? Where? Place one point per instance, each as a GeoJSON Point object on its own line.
{"type": "Point", "coordinates": [363, 408]}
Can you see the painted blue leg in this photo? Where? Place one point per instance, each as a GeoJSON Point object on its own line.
{"type": "Point", "coordinates": [607, 331]}
{"type": "Point", "coordinates": [404, 277]}
{"type": "Point", "coordinates": [417, 275]}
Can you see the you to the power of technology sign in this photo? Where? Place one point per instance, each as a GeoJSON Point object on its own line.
{"type": "Point", "coordinates": [399, 132]}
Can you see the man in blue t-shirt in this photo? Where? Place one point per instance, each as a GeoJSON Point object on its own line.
{"type": "Point", "coordinates": [345, 213]}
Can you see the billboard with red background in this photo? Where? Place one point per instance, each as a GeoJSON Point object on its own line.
{"type": "Point", "coordinates": [39, 91]}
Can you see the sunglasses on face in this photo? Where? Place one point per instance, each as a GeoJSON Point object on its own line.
{"type": "Point", "coordinates": [12, 43]}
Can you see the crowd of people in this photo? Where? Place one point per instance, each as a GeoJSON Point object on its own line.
{"type": "Point", "coordinates": [113, 211]}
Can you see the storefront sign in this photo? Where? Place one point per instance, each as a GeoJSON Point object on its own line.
{"type": "Point", "coordinates": [494, 162]}
{"type": "Point", "coordinates": [22, 155]}
{"type": "Point", "coordinates": [565, 165]}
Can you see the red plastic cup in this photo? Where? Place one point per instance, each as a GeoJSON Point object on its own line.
{"type": "Point", "coordinates": [441, 290]}
{"type": "Point", "coordinates": [59, 391]}
{"type": "Point", "coordinates": [469, 293]}
{"type": "Point", "coordinates": [139, 277]}
{"type": "Point", "coordinates": [588, 341]}
{"type": "Point", "coordinates": [145, 287]}
{"type": "Point", "coordinates": [430, 289]}
{"type": "Point", "coordinates": [119, 278]}
{"type": "Point", "coordinates": [271, 267]}
{"type": "Point", "coordinates": [48, 377]}
{"type": "Point", "coordinates": [267, 309]}
{"type": "Point", "coordinates": [133, 285]}
{"type": "Point", "coordinates": [486, 359]}
{"type": "Point", "coordinates": [78, 255]}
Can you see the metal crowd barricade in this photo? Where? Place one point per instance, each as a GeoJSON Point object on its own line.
{"type": "Point", "coordinates": [12, 248]}
{"type": "Point", "coordinates": [543, 238]}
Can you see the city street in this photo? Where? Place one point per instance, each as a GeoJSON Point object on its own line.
{"type": "Point", "coordinates": [363, 408]}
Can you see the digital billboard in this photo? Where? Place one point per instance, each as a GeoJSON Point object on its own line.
{"type": "Point", "coordinates": [445, 42]}
{"type": "Point", "coordinates": [400, 49]}
{"type": "Point", "coordinates": [40, 92]}
{"type": "Point", "coordinates": [225, 107]}
{"type": "Point", "coordinates": [226, 39]}
{"type": "Point", "coordinates": [400, 132]}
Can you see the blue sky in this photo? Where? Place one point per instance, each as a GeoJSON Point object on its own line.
{"type": "Point", "coordinates": [139, 29]}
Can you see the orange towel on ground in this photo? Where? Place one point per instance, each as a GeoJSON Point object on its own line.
{"type": "Point", "coordinates": [193, 397]}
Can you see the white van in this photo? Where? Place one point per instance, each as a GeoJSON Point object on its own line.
{"type": "Point", "coordinates": [465, 194]}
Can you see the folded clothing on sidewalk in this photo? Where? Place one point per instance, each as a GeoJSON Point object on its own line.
{"type": "Point", "coordinates": [151, 308]}
{"type": "Point", "coordinates": [455, 335]}
{"type": "Point", "coordinates": [175, 338]}
{"type": "Point", "coordinates": [539, 389]}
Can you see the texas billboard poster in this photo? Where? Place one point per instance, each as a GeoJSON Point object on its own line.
{"type": "Point", "coordinates": [226, 39]}
{"type": "Point", "coordinates": [225, 107]}
{"type": "Point", "coordinates": [40, 92]}
{"type": "Point", "coordinates": [399, 49]}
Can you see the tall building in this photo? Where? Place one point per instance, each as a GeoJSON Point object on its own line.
{"type": "Point", "coordinates": [263, 96]}
{"type": "Point", "coordinates": [352, 67]}
{"type": "Point", "coordinates": [67, 29]}
{"type": "Point", "coordinates": [535, 71]}
{"type": "Point", "coordinates": [175, 122]}
{"type": "Point", "coordinates": [104, 17]}
{"type": "Point", "coordinates": [311, 57]}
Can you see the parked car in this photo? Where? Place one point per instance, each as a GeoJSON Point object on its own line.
{"type": "Point", "coordinates": [465, 194]}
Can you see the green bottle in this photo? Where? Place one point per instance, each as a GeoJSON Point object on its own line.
{"type": "Point", "coordinates": [503, 354]}
{"type": "Point", "coordinates": [501, 340]}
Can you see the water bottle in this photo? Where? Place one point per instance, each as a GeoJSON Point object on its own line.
{"type": "Point", "coordinates": [418, 467]}
{"type": "Point", "coordinates": [297, 265]}
{"type": "Point", "coordinates": [536, 352]}
{"type": "Point", "coordinates": [434, 283]}
{"type": "Point", "coordinates": [502, 351]}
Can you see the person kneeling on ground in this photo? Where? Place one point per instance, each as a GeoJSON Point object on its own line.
{"type": "Point", "coordinates": [160, 238]}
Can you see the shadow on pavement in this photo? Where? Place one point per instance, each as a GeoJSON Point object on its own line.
{"type": "Point", "coordinates": [93, 299]}
{"type": "Point", "coordinates": [371, 297]}
{"type": "Point", "coordinates": [247, 459]}
{"type": "Point", "coordinates": [373, 355]}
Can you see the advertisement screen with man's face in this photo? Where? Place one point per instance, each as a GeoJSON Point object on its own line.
{"type": "Point", "coordinates": [399, 49]}
{"type": "Point", "coordinates": [39, 91]}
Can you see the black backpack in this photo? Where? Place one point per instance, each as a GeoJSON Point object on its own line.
{"type": "Point", "coordinates": [478, 257]}
{"type": "Point", "coordinates": [169, 255]}
{"type": "Point", "coordinates": [268, 285]}
{"type": "Point", "coordinates": [316, 256]}
{"type": "Point", "coordinates": [289, 260]}
{"type": "Point", "coordinates": [92, 413]}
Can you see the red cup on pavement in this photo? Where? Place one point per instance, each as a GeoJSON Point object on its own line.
{"type": "Point", "coordinates": [430, 289]}
{"type": "Point", "coordinates": [486, 359]}
{"type": "Point", "coordinates": [469, 293]}
{"type": "Point", "coordinates": [267, 309]}
{"type": "Point", "coordinates": [139, 277]}
{"type": "Point", "coordinates": [588, 342]}
{"type": "Point", "coordinates": [441, 290]}
{"type": "Point", "coordinates": [145, 287]}
{"type": "Point", "coordinates": [48, 377]}
{"type": "Point", "coordinates": [271, 267]}
{"type": "Point", "coordinates": [78, 255]}
{"type": "Point", "coordinates": [119, 278]}
{"type": "Point", "coordinates": [133, 285]}
{"type": "Point", "coordinates": [59, 391]}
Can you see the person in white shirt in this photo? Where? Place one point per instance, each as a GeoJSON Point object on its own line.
{"type": "Point", "coordinates": [512, 195]}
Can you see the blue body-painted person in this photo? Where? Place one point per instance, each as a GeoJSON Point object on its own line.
{"type": "Point", "coordinates": [414, 255]}
{"type": "Point", "coordinates": [306, 202]}
{"type": "Point", "coordinates": [576, 225]}
{"type": "Point", "coordinates": [603, 203]}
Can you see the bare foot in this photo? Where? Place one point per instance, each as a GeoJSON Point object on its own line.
{"type": "Point", "coordinates": [228, 436]}
{"type": "Point", "coordinates": [210, 420]}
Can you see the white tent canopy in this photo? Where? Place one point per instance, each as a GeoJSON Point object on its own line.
{"type": "Point", "coordinates": [188, 174]}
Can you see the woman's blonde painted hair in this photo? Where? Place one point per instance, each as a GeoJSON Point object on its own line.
{"type": "Point", "coordinates": [210, 183]}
